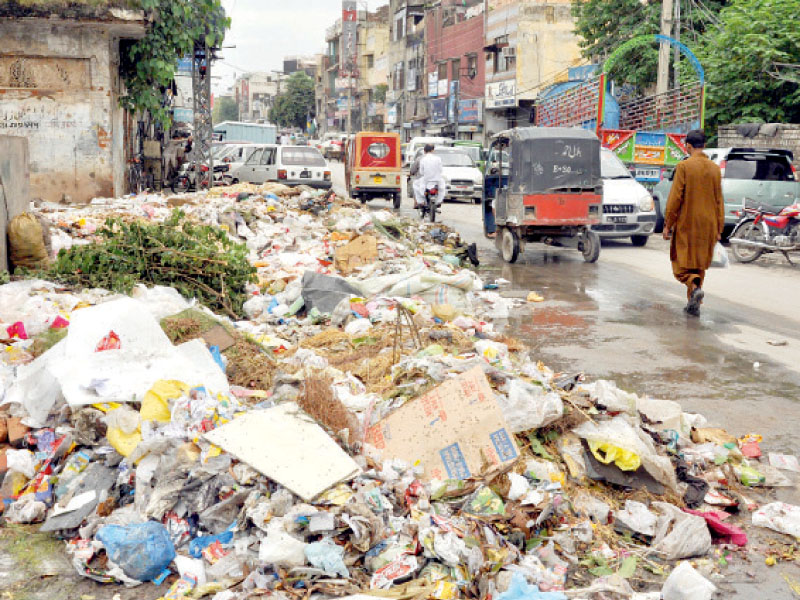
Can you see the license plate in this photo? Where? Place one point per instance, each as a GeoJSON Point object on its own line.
{"type": "Point", "coordinates": [305, 174]}
{"type": "Point", "coordinates": [377, 179]}
{"type": "Point", "coordinates": [462, 187]}
{"type": "Point", "coordinates": [618, 219]}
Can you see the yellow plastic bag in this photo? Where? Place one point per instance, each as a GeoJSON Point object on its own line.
{"type": "Point", "coordinates": [607, 453]}
{"type": "Point", "coordinates": [26, 242]}
{"type": "Point", "coordinates": [124, 433]}
{"type": "Point", "coordinates": [155, 405]}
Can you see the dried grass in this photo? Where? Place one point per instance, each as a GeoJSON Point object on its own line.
{"type": "Point", "coordinates": [320, 403]}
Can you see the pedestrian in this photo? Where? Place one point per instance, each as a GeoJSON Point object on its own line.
{"type": "Point", "coordinates": [694, 219]}
{"type": "Point", "coordinates": [430, 175]}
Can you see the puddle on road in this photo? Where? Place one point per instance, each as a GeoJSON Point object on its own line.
{"type": "Point", "coordinates": [609, 323]}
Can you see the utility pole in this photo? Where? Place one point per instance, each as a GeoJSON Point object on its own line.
{"type": "Point", "coordinates": [677, 51]}
{"type": "Point", "coordinates": [456, 104]}
{"type": "Point", "coordinates": [203, 129]}
{"type": "Point", "coordinates": [662, 84]}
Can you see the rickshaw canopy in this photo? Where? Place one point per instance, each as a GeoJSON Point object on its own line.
{"type": "Point", "coordinates": [546, 160]}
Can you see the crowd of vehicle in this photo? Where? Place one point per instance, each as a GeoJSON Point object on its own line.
{"type": "Point", "coordinates": [760, 186]}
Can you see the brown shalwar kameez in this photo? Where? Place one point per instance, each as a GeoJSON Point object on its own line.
{"type": "Point", "coordinates": [696, 215]}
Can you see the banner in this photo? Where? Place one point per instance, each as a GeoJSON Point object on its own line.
{"type": "Point", "coordinates": [349, 43]}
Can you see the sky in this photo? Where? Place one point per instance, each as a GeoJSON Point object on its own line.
{"type": "Point", "coordinates": [264, 31]}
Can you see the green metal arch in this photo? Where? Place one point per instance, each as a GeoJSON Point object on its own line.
{"type": "Point", "coordinates": [645, 39]}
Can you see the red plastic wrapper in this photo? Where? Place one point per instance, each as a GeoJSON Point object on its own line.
{"type": "Point", "coordinates": [395, 572]}
{"type": "Point", "coordinates": [413, 492]}
{"type": "Point", "coordinates": [17, 330]}
{"type": "Point", "coordinates": [214, 552]}
{"type": "Point", "coordinates": [59, 323]}
{"type": "Point", "coordinates": [109, 342]}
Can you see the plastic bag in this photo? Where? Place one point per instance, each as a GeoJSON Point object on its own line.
{"type": "Point", "coordinates": [607, 453]}
{"type": "Point", "coordinates": [638, 518]}
{"type": "Point", "coordinates": [281, 549]}
{"type": "Point", "coordinates": [719, 259]}
{"type": "Point", "coordinates": [155, 404]}
{"type": "Point", "coordinates": [142, 550]}
{"type": "Point", "coordinates": [485, 502]}
{"type": "Point", "coordinates": [684, 583]}
{"type": "Point", "coordinates": [779, 516]}
{"type": "Point", "coordinates": [520, 589]}
{"type": "Point", "coordinates": [620, 433]}
{"type": "Point", "coordinates": [123, 430]}
{"type": "Point", "coordinates": [21, 461]}
{"type": "Point", "coordinates": [26, 242]}
{"type": "Point", "coordinates": [679, 534]}
{"type": "Point", "coordinates": [26, 510]}
{"type": "Point", "coordinates": [529, 407]}
{"type": "Point", "coordinates": [327, 556]}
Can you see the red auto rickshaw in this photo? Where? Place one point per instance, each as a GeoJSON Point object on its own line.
{"type": "Point", "coordinates": [546, 187]}
{"type": "Point", "coordinates": [373, 167]}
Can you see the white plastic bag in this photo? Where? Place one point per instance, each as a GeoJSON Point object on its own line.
{"type": "Point", "coordinates": [281, 549]}
{"type": "Point", "coordinates": [528, 406]}
{"type": "Point", "coordinates": [720, 258]}
{"type": "Point", "coordinates": [680, 534]}
{"type": "Point", "coordinates": [637, 517]}
{"type": "Point", "coordinates": [684, 583]}
{"type": "Point", "coordinates": [782, 517]}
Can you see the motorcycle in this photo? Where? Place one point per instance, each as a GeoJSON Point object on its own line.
{"type": "Point", "coordinates": [763, 229]}
{"type": "Point", "coordinates": [429, 207]}
{"type": "Point", "coordinates": [187, 181]}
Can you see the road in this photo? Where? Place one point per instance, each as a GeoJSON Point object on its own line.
{"type": "Point", "coordinates": [621, 319]}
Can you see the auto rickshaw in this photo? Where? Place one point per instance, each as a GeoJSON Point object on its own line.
{"type": "Point", "coordinates": [373, 167]}
{"type": "Point", "coordinates": [546, 187]}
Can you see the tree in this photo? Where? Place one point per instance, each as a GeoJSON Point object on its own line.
{"type": "Point", "coordinates": [604, 25]}
{"type": "Point", "coordinates": [744, 56]}
{"type": "Point", "coordinates": [295, 106]}
{"type": "Point", "coordinates": [380, 92]}
{"type": "Point", "coordinates": [225, 109]}
{"type": "Point", "coordinates": [173, 27]}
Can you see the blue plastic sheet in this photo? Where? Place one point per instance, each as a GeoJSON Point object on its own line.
{"type": "Point", "coordinates": [520, 589]}
{"type": "Point", "coordinates": [197, 545]}
{"type": "Point", "coordinates": [142, 550]}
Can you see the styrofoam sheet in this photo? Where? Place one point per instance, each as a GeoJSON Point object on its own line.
{"type": "Point", "coordinates": [287, 446]}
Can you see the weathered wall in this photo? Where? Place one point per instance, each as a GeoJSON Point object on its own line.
{"type": "Point", "coordinates": [547, 45]}
{"type": "Point", "coordinates": [14, 186]}
{"type": "Point", "coordinates": [58, 89]}
{"type": "Point", "coordinates": [787, 137]}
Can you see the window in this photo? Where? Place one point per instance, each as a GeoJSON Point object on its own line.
{"type": "Point", "coordinates": [456, 70]}
{"type": "Point", "coordinates": [472, 66]}
{"type": "Point", "coordinates": [399, 26]}
{"type": "Point", "coordinates": [255, 157]}
{"type": "Point", "coordinates": [758, 167]}
{"type": "Point", "coordinates": [370, 59]}
{"type": "Point", "coordinates": [268, 156]}
{"type": "Point", "coordinates": [442, 71]}
{"type": "Point", "coordinates": [398, 76]}
{"type": "Point", "coordinates": [302, 157]}
{"type": "Point", "coordinates": [378, 150]}
{"type": "Point", "coordinates": [550, 14]}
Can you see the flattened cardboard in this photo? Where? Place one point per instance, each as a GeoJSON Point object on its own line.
{"type": "Point", "coordinates": [363, 250]}
{"type": "Point", "coordinates": [452, 431]}
{"type": "Point", "coordinates": [288, 446]}
{"type": "Point", "coordinates": [219, 336]}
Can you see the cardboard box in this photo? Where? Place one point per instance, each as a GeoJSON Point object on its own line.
{"type": "Point", "coordinates": [453, 431]}
{"type": "Point", "coordinates": [3, 430]}
{"type": "Point", "coordinates": [3, 461]}
{"type": "Point", "coordinates": [16, 431]}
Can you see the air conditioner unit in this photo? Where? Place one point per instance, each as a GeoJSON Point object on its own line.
{"type": "Point", "coordinates": [509, 51]}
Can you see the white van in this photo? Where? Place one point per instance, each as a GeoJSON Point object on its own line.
{"type": "Point", "coordinates": [290, 165]}
{"type": "Point", "coordinates": [419, 142]}
{"type": "Point", "coordinates": [628, 209]}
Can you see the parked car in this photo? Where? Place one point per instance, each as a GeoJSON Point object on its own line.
{"type": "Point", "coordinates": [755, 174]}
{"type": "Point", "coordinates": [463, 179]}
{"type": "Point", "coordinates": [628, 208]}
{"type": "Point", "coordinates": [290, 165]}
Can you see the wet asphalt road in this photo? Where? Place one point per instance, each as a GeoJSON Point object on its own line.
{"type": "Point", "coordinates": [622, 319]}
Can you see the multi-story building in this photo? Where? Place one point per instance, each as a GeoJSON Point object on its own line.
{"type": "Point", "coordinates": [255, 94]}
{"type": "Point", "coordinates": [455, 68]}
{"type": "Point", "coordinates": [307, 64]}
{"type": "Point", "coordinates": [529, 45]}
{"type": "Point", "coordinates": [407, 101]}
{"type": "Point", "coordinates": [373, 46]}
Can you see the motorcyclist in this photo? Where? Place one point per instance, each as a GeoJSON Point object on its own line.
{"type": "Point", "coordinates": [430, 176]}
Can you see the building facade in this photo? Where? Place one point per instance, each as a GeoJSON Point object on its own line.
{"type": "Point", "coordinates": [255, 94]}
{"type": "Point", "coordinates": [455, 71]}
{"type": "Point", "coordinates": [60, 89]}
{"type": "Point", "coordinates": [529, 45]}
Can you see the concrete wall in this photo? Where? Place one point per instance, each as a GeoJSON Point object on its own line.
{"type": "Point", "coordinates": [786, 137]}
{"type": "Point", "coordinates": [59, 88]}
{"type": "Point", "coordinates": [14, 187]}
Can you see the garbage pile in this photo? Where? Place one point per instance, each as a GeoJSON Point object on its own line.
{"type": "Point", "coordinates": [359, 425]}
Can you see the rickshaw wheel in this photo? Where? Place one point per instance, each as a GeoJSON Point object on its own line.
{"type": "Point", "coordinates": [397, 200]}
{"type": "Point", "coordinates": [590, 247]}
{"type": "Point", "coordinates": [509, 245]}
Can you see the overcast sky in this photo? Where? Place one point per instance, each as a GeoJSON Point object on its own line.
{"type": "Point", "coordinates": [264, 31]}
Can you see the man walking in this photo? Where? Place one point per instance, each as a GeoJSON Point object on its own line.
{"type": "Point", "coordinates": [430, 175]}
{"type": "Point", "coordinates": [694, 219]}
